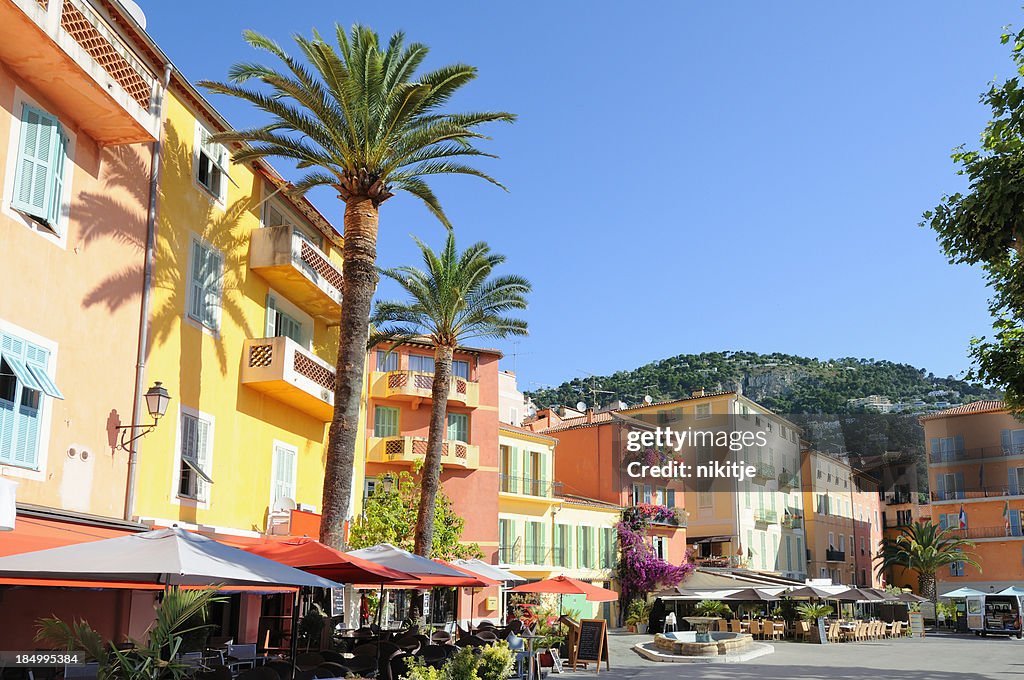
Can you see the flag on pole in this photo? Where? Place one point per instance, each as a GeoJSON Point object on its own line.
{"type": "Point", "coordinates": [963, 517]}
{"type": "Point", "coordinates": [1006, 516]}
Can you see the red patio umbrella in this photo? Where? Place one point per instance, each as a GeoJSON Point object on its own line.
{"type": "Point", "coordinates": [316, 558]}
{"type": "Point", "coordinates": [564, 585]}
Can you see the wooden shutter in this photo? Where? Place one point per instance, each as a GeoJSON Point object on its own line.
{"type": "Point", "coordinates": [197, 292]}
{"type": "Point", "coordinates": [556, 547]}
{"type": "Point", "coordinates": [1004, 440]}
{"type": "Point", "coordinates": [33, 182]}
{"type": "Point", "coordinates": [1015, 523]}
{"type": "Point", "coordinates": [214, 266]}
{"type": "Point", "coordinates": [513, 485]}
{"type": "Point", "coordinates": [57, 178]}
{"type": "Point", "coordinates": [959, 477]}
{"type": "Point", "coordinates": [271, 329]}
{"type": "Point", "coordinates": [580, 563]}
{"type": "Point", "coordinates": [1014, 486]}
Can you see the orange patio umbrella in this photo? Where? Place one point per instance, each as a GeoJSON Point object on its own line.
{"type": "Point", "coordinates": [564, 585]}
{"type": "Point", "coordinates": [314, 557]}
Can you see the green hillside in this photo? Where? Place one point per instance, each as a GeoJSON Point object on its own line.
{"type": "Point", "coordinates": [781, 382]}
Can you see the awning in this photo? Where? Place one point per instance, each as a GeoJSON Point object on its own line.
{"type": "Point", "coordinates": [713, 539]}
{"type": "Point", "coordinates": [34, 533]}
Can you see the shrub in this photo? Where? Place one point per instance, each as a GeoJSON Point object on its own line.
{"type": "Point", "coordinates": [712, 608]}
{"type": "Point", "coordinates": [813, 612]}
{"type": "Point", "coordinates": [496, 662]}
{"type": "Point", "coordinates": [637, 611]}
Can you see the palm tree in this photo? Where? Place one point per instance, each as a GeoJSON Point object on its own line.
{"type": "Point", "coordinates": [925, 548]}
{"type": "Point", "coordinates": [357, 119]}
{"type": "Point", "coordinates": [453, 301]}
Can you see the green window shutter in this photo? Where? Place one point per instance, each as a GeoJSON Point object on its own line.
{"type": "Point", "coordinates": [203, 458]}
{"type": "Point", "coordinates": [385, 421]}
{"type": "Point", "coordinates": [34, 182]}
{"type": "Point", "coordinates": [271, 328]}
{"type": "Point", "coordinates": [580, 563]}
{"type": "Point", "coordinates": [513, 454]}
{"type": "Point", "coordinates": [57, 178]}
{"type": "Point", "coordinates": [529, 543]}
{"type": "Point", "coordinates": [593, 546]}
{"type": "Point", "coordinates": [557, 545]}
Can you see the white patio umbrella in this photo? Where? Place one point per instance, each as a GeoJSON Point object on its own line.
{"type": "Point", "coordinates": [1012, 590]}
{"type": "Point", "coordinates": [389, 556]}
{"type": "Point", "coordinates": [961, 593]}
{"type": "Point", "coordinates": [488, 570]}
{"type": "Point", "coordinates": [170, 557]}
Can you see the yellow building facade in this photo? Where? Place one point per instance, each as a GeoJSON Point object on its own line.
{"type": "Point", "coordinates": [243, 334]}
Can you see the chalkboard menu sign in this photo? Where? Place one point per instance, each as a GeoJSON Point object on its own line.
{"type": "Point", "coordinates": [917, 624]}
{"type": "Point", "coordinates": [338, 602]}
{"type": "Point", "coordinates": [592, 642]}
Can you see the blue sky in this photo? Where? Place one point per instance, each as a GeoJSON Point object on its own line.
{"type": "Point", "coordinates": [689, 176]}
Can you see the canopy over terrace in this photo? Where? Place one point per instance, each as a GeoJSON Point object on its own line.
{"type": "Point", "coordinates": [316, 558]}
{"type": "Point", "coordinates": [961, 593]}
{"type": "Point", "coordinates": [425, 573]}
{"type": "Point", "coordinates": [165, 557]}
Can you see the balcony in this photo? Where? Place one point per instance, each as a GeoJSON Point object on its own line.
{"type": "Point", "coordinates": [537, 554]}
{"type": "Point", "coordinates": [975, 493]}
{"type": "Point", "coordinates": [527, 486]}
{"type": "Point", "coordinates": [719, 561]}
{"type": "Point", "coordinates": [787, 481]}
{"type": "Point", "coordinates": [835, 556]}
{"type": "Point", "coordinates": [989, 532]}
{"type": "Point", "coordinates": [509, 554]}
{"type": "Point", "coordinates": [659, 515]}
{"type": "Point", "coordinates": [791, 522]}
{"type": "Point", "coordinates": [410, 449]}
{"type": "Point", "coordinates": [952, 456]}
{"type": "Point", "coordinates": [298, 270]}
{"type": "Point", "coordinates": [73, 52]}
{"type": "Point", "coordinates": [762, 473]}
{"type": "Point", "coordinates": [416, 387]}
{"type": "Point", "coordinates": [284, 370]}
{"type": "Point", "coordinates": [762, 516]}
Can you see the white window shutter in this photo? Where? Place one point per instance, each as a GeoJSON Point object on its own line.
{"type": "Point", "coordinates": [202, 444]}
{"type": "Point", "coordinates": [57, 178]}
{"type": "Point", "coordinates": [270, 330]}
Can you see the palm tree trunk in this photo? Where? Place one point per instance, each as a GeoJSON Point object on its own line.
{"type": "Point", "coordinates": [926, 584]}
{"type": "Point", "coordinates": [359, 282]}
{"type": "Point", "coordinates": [430, 476]}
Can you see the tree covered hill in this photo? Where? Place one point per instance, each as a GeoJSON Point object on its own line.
{"type": "Point", "coordinates": [782, 382]}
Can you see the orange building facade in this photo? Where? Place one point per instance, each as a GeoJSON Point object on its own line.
{"type": "Point", "coordinates": [976, 482]}
{"type": "Point", "coordinates": [590, 464]}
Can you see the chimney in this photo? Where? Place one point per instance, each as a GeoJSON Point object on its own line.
{"type": "Point", "coordinates": [590, 415]}
{"type": "Point", "coordinates": [697, 393]}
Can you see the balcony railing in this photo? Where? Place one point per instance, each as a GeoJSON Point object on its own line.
{"type": "Point", "coordinates": [719, 561]}
{"type": "Point", "coordinates": [91, 72]}
{"type": "Point", "coordinates": [656, 514]}
{"type": "Point", "coordinates": [403, 449]}
{"type": "Point", "coordinates": [763, 472]}
{"type": "Point", "coordinates": [536, 554]}
{"type": "Point", "coordinates": [417, 385]}
{"type": "Point", "coordinates": [560, 557]}
{"type": "Point", "coordinates": [994, 491]}
{"type": "Point", "coordinates": [762, 516]}
{"type": "Point", "coordinates": [286, 371]}
{"type": "Point", "coordinates": [791, 522]}
{"type": "Point", "coordinates": [509, 554]}
{"type": "Point", "coordinates": [835, 556]}
{"type": "Point", "coordinates": [959, 455]}
{"type": "Point", "coordinates": [990, 532]}
{"type": "Point", "coordinates": [528, 486]}
{"type": "Point", "coordinates": [787, 481]}
{"type": "Point", "coordinates": [297, 269]}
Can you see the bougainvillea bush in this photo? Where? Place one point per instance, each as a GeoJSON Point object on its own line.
{"type": "Point", "coordinates": [640, 571]}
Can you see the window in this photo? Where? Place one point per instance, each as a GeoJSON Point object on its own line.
{"type": "Point", "coordinates": [211, 164]}
{"type": "Point", "coordinates": [586, 557]}
{"type": "Point", "coordinates": [387, 361]}
{"type": "Point", "coordinates": [460, 369]}
{"type": "Point", "coordinates": [421, 363]}
{"type": "Point", "coordinates": [282, 324]}
{"type": "Point", "coordinates": [607, 540]}
{"type": "Point", "coordinates": [458, 427]}
{"type": "Point", "coordinates": [196, 443]}
{"type": "Point", "coordinates": [638, 494]}
{"type": "Point", "coordinates": [369, 486]}
{"type": "Point", "coordinates": [385, 421]}
{"type": "Point", "coordinates": [283, 472]}
{"type": "Point", "coordinates": [704, 499]}
{"type": "Point", "coordinates": [1012, 441]}
{"type": "Point", "coordinates": [956, 569]}
{"type": "Point", "coordinates": [25, 382]}
{"type": "Point", "coordinates": [702, 411]}
{"type": "Point", "coordinates": [39, 170]}
{"type": "Point", "coordinates": [536, 552]}
{"type": "Point", "coordinates": [506, 541]}
{"type": "Point", "coordinates": [660, 546]}
{"type": "Point", "coordinates": [947, 448]}
{"type": "Point", "coordinates": [206, 271]}
{"type": "Point", "coordinates": [274, 215]}
{"type": "Point", "coordinates": [831, 541]}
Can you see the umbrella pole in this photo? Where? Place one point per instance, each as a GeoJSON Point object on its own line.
{"type": "Point", "coordinates": [295, 631]}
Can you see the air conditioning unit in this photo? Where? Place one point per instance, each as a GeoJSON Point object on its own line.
{"type": "Point", "coordinates": [306, 507]}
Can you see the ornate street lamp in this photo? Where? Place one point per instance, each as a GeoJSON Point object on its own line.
{"type": "Point", "coordinates": [157, 399]}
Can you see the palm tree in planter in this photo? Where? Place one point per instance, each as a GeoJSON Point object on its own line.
{"type": "Point", "coordinates": [454, 299]}
{"type": "Point", "coordinates": [357, 119]}
{"type": "Point", "coordinates": [925, 548]}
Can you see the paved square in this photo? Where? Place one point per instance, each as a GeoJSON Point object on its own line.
{"type": "Point", "coordinates": [936, 657]}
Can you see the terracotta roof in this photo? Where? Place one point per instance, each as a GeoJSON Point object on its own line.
{"type": "Point", "coordinates": [984, 406]}
{"type": "Point", "coordinates": [523, 430]}
{"type": "Point", "coordinates": [580, 421]}
{"type": "Point", "coordinates": [590, 502]}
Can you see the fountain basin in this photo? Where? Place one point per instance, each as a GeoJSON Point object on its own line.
{"type": "Point", "coordinates": [685, 643]}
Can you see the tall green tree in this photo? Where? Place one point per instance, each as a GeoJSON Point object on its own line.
{"type": "Point", "coordinates": [389, 516]}
{"type": "Point", "coordinates": [357, 118]}
{"type": "Point", "coordinates": [452, 300]}
{"type": "Point", "coordinates": [924, 548]}
{"type": "Point", "coordinates": [984, 225]}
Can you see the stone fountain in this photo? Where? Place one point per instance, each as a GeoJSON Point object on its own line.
{"type": "Point", "coordinates": [702, 626]}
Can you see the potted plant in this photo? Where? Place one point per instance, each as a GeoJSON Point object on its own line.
{"type": "Point", "coordinates": [638, 613]}
{"type": "Point", "coordinates": [816, 613]}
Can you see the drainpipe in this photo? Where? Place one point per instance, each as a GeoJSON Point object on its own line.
{"type": "Point", "coordinates": [147, 285]}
